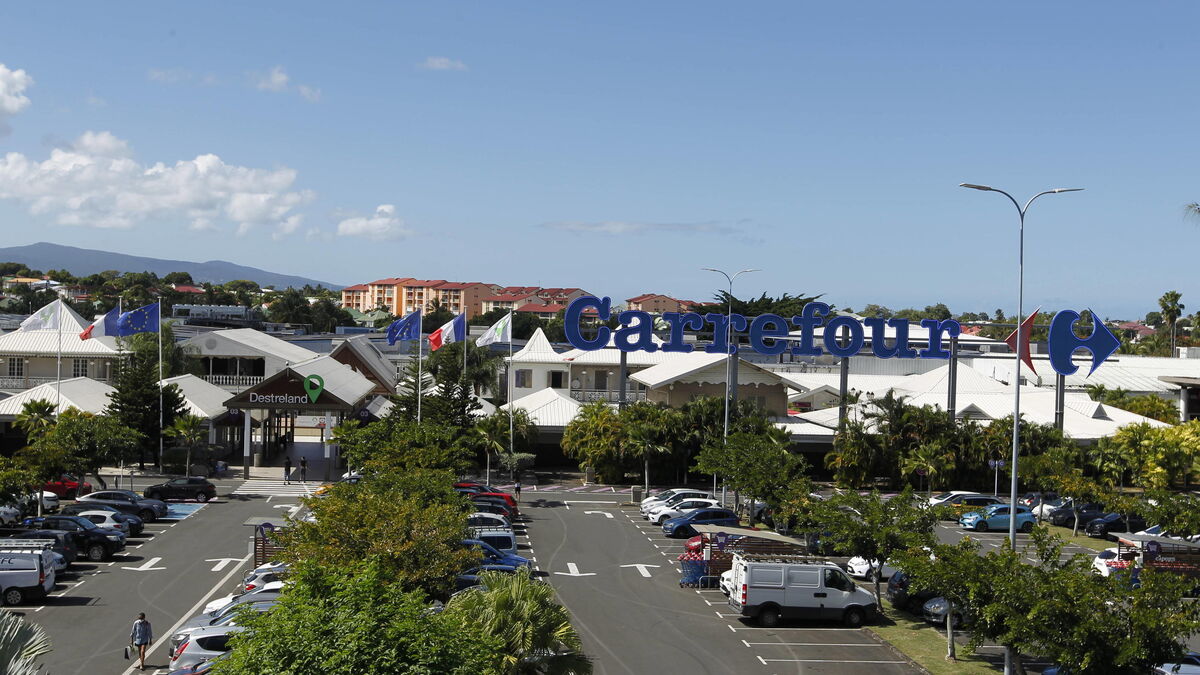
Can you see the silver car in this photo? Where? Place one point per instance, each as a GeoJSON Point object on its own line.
{"type": "Point", "coordinates": [205, 644]}
{"type": "Point", "coordinates": [127, 501]}
{"type": "Point", "coordinates": [227, 618]}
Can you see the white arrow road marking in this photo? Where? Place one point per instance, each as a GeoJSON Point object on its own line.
{"type": "Point", "coordinates": [146, 566]}
{"type": "Point", "coordinates": [292, 508]}
{"type": "Point", "coordinates": [603, 513]}
{"type": "Point", "coordinates": [573, 571]}
{"type": "Point", "coordinates": [642, 568]}
{"type": "Point", "coordinates": [222, 563]}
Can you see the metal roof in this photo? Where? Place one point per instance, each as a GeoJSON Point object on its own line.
{"type": "Point", "coordinates": [691, 367]}
{"type": "Point", "coordinates": [83, 393]}
{"type": "Point", "coordinates": [548, 408]}
{"type": "Point", "coordinates": [199, 397]}
{"type": "Point", "coordinates": [259, 342]}
{"type": "Point", "coordinates": [537, 350]}
{"type": "Point", "coordinates": [372, 358]}
{"type": "Point", "coordinates": [340, 379]}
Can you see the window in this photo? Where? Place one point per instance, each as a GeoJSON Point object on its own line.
{"type": "Point", "coordinates": [524, 379]}
{"type": "Point", "coordinates": [557, 379]}
{"type": "Point", "coordinates": [79, 368]}
{"type": "Point", "coordinates": [16, 367]}
{"type": "Point", "coordinates": [799, 576]}
{"type": "Point", "coordinates": [835, 579]}
{"type": "Point", "coordinates": [601, 380]}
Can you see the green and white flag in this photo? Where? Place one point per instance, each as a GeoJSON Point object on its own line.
{"type": "Point", "coordinates": [46, 318]}
{"type": "Point", "coordinates": [501, 331]}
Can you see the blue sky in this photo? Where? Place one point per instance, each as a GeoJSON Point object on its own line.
{"type": "Point", "coordinates": [620, 147]}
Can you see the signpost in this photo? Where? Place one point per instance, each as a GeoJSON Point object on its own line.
{"type": "Point", "coordinates": [996, 464]}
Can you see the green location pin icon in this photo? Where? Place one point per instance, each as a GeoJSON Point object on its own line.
{"type": "Point", "coordinates": [314, 385]}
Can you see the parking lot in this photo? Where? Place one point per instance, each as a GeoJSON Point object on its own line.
{"type": "Point", "coordinates": [619, 577]}
{"type": "Point", "coordinates": [169, 571]}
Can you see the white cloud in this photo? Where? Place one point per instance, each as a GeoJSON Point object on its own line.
{"type": "Point", "coordinates": [441, 63]}
{"type": "Point", "coordinates": [310, 94]}
{"type": "Point", "coordinates": [276, 80]}
{"type": "Point", "coordinates": [13, 100]}
{"type": "Point", "coordinates": [381, 226]}
{"type": "Point", "coordinates": [618, 227]}
{"type": "Point", "coordinates": [95, 182]}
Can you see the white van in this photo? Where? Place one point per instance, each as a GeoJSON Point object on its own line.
{"type": "Point", "coordinates": [26, 574]}
{"type": "Point", "coordinates": [770, 588]}
{"type": "Point", "coordinates": [501, 540]}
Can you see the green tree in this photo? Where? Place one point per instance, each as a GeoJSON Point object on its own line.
{"type": "Point", "coordinates": [335, 623]}
{"type": "Point", "coordinates": [35, 419]}
{"type": "Point", "coordinates": [87, 441]}
{"type": "Point", "coordinates": [135, 403]}
{"type": "Point", "coordinates": [950, 570]}
{"type": "Point", "coordinates": [594, 439]}
{"type": "Point", "coordinates": [21, 643]}
{"type": "Point", "coordinates": [446, 365]}
{"type": "Point", "coordinates": [534, 631]}
{"type": "Point", "coordinates": [650, 431]}
{"type": "Point", "coordinates": [755, 464]}
{"type": "Point", "coordinates": [929, 461]}
{"type": "Point", "coordinates": [398, 444]}
{"type": "Point", "coordinates": [188, 431]}
{"type": "Point", "coordinates": [1171, 311]}
{"type": "Point", "coordinates": [492, 434]}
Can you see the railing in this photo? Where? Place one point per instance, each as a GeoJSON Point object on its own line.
{"type": "Point", "coordinates": [589, 395]}
{"type": "Point", "coordinates": [21, 383]}
{"type": "Point", "coordinates": [236, 381]}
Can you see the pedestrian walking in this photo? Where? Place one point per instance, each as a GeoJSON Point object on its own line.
{"type": "Point", "coordinates": [287, 470]}
{"type": "Point", "coordinates": [303, 469]}
{"type": "Point", "coordinates": [140, 636]}
{"type": "Point", "coordinates": [517, 489]}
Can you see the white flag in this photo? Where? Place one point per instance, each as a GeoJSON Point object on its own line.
{"type": "Point", "coordinates": [46, 318]}
{"type": "Point", "coordinates": [501, 331]}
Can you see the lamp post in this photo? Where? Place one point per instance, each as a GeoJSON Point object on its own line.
{"type": "Point", "coordinates": [1016, 430]}
{"type": "Point", "coordinates": [728, 350]}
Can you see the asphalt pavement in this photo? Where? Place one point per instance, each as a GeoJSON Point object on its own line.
{"type": "Point", "coordinates": [169, 572]}
{"type": "Point", "coordinates": [618, 576]}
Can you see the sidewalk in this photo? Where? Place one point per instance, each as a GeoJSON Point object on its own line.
{"type": "Point", "coordinates": [303, 447]}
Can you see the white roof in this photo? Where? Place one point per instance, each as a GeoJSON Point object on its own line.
{"type": "Point", "coordinates": [83, 393]}
{"type": "Point", "coordinates": [46, 342]}
{"type": "Point", "coordinates": [701, 367]}
{"type": "Point", "coordinates": [547, 407]}
{"type": "Point", "coordinates": [260, 342]}
{"type": "Point", "coordinates": [199, 397]}
{"type": "Point", "coordinates": [537, 350]}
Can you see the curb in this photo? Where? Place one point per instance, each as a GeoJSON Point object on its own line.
{"type": "Point", "coordinates": [896, 651]}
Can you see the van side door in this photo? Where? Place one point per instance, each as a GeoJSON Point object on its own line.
{"type": "Point", "coordinates": [837, 591]}
{"type": "Point", "coordinates": [764, 584]}
{"type": "Point", "coordinates": [803, 592]}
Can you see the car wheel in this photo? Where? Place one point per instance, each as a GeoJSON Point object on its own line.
{"type": "Point", "coordinates": [981, 526]}
{"type": "Point", "coordinates": [14, 596]}
{"type": "Point", "coordinates": [1027, 527]}
{"type": "Point", "coordinates": [768, 617]}
{"type": "Point", "coordinates": [147, 516]}
{"type": "Point", "coordinates": [202, 497]}
{"type": "Point", "coordinates": [854, 617]}
{"type": "Point", "coordinates": [661, 520]}
{"type": "Point", "coordinates": [96, 552]}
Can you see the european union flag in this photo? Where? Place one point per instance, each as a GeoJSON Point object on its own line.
{"type": "Point", "coordinates": [408, 328]}
{"type": "Point", "coordinates": [140, 320]}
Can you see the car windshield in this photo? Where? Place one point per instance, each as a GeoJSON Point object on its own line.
{"type": "Point", "coordinates": [943, 496]}
{"type": "Point", "coordinates": [84, 523]}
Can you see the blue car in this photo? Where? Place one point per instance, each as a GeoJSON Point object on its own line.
{"type": "Point", "coordinates": [492, 556]}
{"type": "Point", "coordinates": [682, 526]}
{"type": "Point", "coordinates": [995, 517]}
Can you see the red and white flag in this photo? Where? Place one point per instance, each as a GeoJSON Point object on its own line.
{"type": "Point", "coordinates": [455, 330]}
{"type": "Point", "coordinates": [105, 325]}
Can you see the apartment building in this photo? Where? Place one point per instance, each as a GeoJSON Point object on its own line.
{"type": "Point", "coordinates": [657, 303]}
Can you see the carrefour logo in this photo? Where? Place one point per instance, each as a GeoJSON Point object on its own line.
{"type": "Point", "coordinates": [770, 334]}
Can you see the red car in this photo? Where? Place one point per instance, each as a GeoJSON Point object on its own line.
{"type": "Point", "coordinates": [67, 486]}
{"type": "Point", "coordinates": [508, 499]}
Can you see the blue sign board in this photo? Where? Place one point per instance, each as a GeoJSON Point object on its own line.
{"type": "Point", "coordinates": [844, 336]}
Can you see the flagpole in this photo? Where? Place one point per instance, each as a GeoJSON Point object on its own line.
{"type": "Point", "coordinates": [58, 365]}
{"type": "Point", "coordinates": [160, 390]}
{"type": "Point", "coordinates": [420, 375]}
{"type": "Point", "coordinates": [510, 404]}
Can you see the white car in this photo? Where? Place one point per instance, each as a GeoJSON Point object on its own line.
{"type": "Point", "coordinates": [105, 519]}
{"type": "Point", "coordinates": [662, 514]}
{"type": "Point", "coordinates": [1188, 665]}
{"type": "Point", "coordinates": [947, 496]}
{"type": "Point", "coordinates": [10, 514]}
{"type": "Point", "coordinates": [860, 568]}
{"type": "Point", "coordinates": [677, 496]}
{"type": "Point", "coordinates": [727, 582]}
{"type": "Point", "coordinates": [488, 520]}
{"type": "Point", "coordinates": [1042, 511]}
{"type": "Point", "coordinates": [203, 645]}
{"type": "Point", "coordinates": [263, 575]}
{"type": "Point", "coordinates": [221, 602]}
{"type": "Point", "coordinates": [663, 496]}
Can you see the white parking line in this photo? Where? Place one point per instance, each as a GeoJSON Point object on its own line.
{"type": "Point", "coordinates": [857, 630]}
{"type": "Point", "coordinates": [816, 644]}
{"type": "Point", "coordinates": [766, 661]}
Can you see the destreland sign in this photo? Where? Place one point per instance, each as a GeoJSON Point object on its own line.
{"type": "Point", "coordinates": [844, 336]}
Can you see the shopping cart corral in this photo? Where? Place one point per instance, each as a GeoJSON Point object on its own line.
{"type": "Point", "coordinates": [710, 553]}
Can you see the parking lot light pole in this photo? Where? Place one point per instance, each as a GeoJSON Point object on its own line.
{"type": "Point", "coordinates": [1016, 430]}
{"type": "Point", "coordinates": [728, 352]}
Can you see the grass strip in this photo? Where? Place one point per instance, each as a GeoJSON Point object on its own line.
{"type": "Point", "coordinates": [920, 642]}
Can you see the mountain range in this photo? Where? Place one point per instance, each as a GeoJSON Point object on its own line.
{"type": "Point", "coordinates": [82, 262]}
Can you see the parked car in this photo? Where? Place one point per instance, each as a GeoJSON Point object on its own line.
{"type": "Point", "coordinates": [135, 524]}
{"type": "Point", "coordinates": [665, 497]}
{"type": "Point", "coordinates": [682, 526]}
{"type": "Point", "coordinates": [502, 540]}
{"type": "Point", "coordinates": [106, 519]}
{"type": "Point", "coordinates": [480, 519]}
{"type": "Point", "coordinates": [902, 596]}
{"type": "Point", "coordinates": [1032, 499]}
{"type": "Point", "coordinates": [10, 513]}
{"type": "Point", "coordinates": [861, 568]}
{"type": "Point", "coordinates": [215, 605]}
{"type": "Point", "coordinates": [62, 543]}
{"type": "Point", "coordinates": [943, 497]}
{"type": "Point", "coordinates": [492, 556]}
{"type": "Point", "coordinates": [769, 590]}
{"type": "Point", "coordinates": [256, 579]}
{"type": "Point", "coordinates": [96, 543]}
{"type": "Point", "coordinates": [1188, 665]}
{"type": "Point", "coordinates": [25, 575]}
{"type": "Point", "coordinates": [192, 487]}
{"type": "Point", "coordinates": [503, 496]}
{"type": "Point", "coordinates": [1114, 522]}
{"type": "Point", "coordinates": [67, 486]}
{"type": "Point", "coordinates": [203, 645]}
{"type": "Point", "coordinates": [50, 503]}
{"type": "Point", "coordinates": [476, 485]}
{"type": "Point", "coordinates": [1064, 517]}
{"type": "Point", "coordinates": [127, 501]}
{"type": "Point", "coordinates": [202, 668]}
{"type": "Point", "coordinates": [957, 505]}
{"type": "Point", "coordinates": [470, 578]}
{"type": "Point", "coordinates": [496, 507]}
{"type": "Point", "coordinates": [996, 517]}
{"type": "Point", "coordinates": [1043, 510]}
{"type": "Point", "coordinates": [664, 512]}
{"type": "Point", "coordinates": [34, 545]}
{"type": "Point", "coordinates": [226, 617]}
{"type": "Point", "coordinates": [934, 611]}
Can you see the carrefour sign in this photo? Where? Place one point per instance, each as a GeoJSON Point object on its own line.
{"type": "Point", "coordinates": [844, 336]}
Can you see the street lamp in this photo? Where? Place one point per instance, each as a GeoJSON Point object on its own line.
{"type": "Point", "coordinates": [1016, 430]}
{"type": "Point", "coordinates": [728, 351]}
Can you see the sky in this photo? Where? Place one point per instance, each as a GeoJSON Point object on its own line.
{"type": "Point", "coordinates": [621, 147]}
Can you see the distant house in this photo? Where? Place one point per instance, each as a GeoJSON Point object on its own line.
{"type": "Point", "coordinates": [186, 288]}
{"type": "Point", "coordinates": [657, 303]}
{"type": "Point", "coordinates": [1135, 330]}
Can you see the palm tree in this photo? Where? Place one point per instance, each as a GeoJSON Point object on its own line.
{"type": "Point", "coordinates": [1171, 311]}
{"type": "Point", "coordinates": [492, 431]}
{"type": "Point", "coordinates": [35, 419]}
{"type": "Point", "coordinates": [522, 612]}
{"type": "Point", "coordinates": [644, 438]}
{"type": "Point", "coordinates": [188, 430]}
{"type": "Point", "coordinates": [21, 643]}
{"type": "Point", "coordinates": [930, 460]}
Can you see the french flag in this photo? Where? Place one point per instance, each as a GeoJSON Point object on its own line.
{"type": "Point", "coordinates": [104, 326]}
{"type": "Point", "coordinates": [455, 330]}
